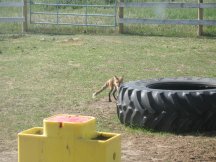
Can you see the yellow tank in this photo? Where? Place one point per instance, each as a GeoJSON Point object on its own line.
{"type": "Point", "coordinates": [68, 138]}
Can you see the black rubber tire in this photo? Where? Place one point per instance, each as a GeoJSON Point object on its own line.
{"type": "Point", "coordinates": [169, 104]}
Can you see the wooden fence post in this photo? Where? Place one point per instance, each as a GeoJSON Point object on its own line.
{"type": "Point", "coordinates": [25, 14]}
{"type": "Point", "coordinates": [121, 16]}
{"type": "Point", "coordinates": [200, 17]}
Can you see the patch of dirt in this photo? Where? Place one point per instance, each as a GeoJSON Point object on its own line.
{"type": "Point", "coordinates": [72, 41]}
{"type": "Point", "coordinates": [8, 150]}
{"type": "Point", "coordinates": [68, 41]}
{"type": "Point", "coordinates": [8, 156]}
{"type": "Point", "coordinates": [143, 147]}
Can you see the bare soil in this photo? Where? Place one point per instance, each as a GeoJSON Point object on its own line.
{"type": "Point", "coordinates": [139, 146]}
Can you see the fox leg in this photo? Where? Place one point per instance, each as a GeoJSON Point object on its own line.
{"type": "Point", "coordinates": [114, 92]}
{"type": "Point", "coordinates": [110, 95]}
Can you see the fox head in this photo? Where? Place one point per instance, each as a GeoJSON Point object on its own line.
{"type": "Point", "coordinates": [118, 81]}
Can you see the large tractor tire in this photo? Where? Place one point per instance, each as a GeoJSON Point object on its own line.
{"type": "Point", "coordinates": [169, 104]}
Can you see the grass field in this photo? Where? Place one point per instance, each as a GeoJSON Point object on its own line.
{"type": "Point", "coordinates": [42, 75]}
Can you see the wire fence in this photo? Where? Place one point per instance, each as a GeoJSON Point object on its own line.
{"type": "Point", "coordinates": [74, 12]}
{"type": "Point", "coordinates": [73, 16]}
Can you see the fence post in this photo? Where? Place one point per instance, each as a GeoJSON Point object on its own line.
{"type": "Point", "coordinates": [200, 17]}
{"type": "Point", "coordinates": [121, 16]}
{"type": "Point", "coordinates": [25, 14]}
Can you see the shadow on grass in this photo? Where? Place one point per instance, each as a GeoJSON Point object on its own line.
{"type": "Point", "coordinates": [136, 129]}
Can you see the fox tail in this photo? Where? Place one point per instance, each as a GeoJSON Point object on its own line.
{"type": "Point", "coordinates": [99, 91]}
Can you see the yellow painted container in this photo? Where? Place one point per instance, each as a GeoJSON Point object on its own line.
{"type": "Point", "coordinates": [68, 138]}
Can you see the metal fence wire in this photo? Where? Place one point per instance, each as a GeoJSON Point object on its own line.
{"type": "Point", "coordinates": [74, 12]}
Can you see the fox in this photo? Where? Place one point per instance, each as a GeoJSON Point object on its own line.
{"type": "Point", "coordinates": [113, 84]}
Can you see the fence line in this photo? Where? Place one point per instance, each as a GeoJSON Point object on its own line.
{"type": "Point", "coordinates": [167, 5]}
{"type": "Point", "coordinates": [122, 6]}
{"type": "Point", "coordinates": [22, 19]}
{"type": "Point", "coordinates": [11, 4]}
{"type": "Point", "coordinates": [200, 6]}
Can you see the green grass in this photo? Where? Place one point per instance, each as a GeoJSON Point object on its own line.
{"type": "Point", "coordinates": [41, 75]}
